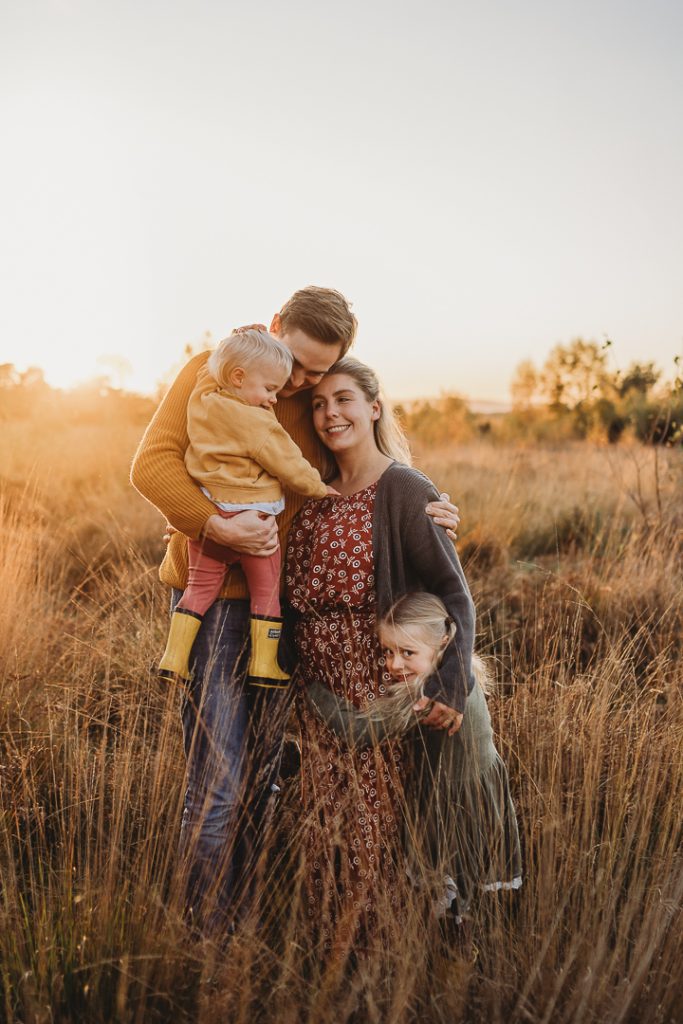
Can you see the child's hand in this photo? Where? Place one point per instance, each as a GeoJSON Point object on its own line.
{"type": "Point", "coordinates": [331, 491]}
{"type": "Point", "coordinates": [439, 716]}
{"type": "Point", "coordinates": [250, 327]}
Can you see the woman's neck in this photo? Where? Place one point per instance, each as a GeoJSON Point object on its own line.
{"type": "Point", "coordinates": [358, 470]}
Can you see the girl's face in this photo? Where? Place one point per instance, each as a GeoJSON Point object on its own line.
{"type": "Point", "coordinates": [342, 416]}
{"type": "Point", "coordinates": [407, 652]}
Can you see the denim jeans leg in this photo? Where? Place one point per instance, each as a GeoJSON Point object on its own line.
{"type": "Point", "coordinates": [215, 725]}
{"type": "Point", "coordinates": [233, 739]}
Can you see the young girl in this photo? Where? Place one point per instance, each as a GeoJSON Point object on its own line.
{"type": "Point", "coordinates": [240, 455]}
{"type": "Point", "coordinates": [460, 823]}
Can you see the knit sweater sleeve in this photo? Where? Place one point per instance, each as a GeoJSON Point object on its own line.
{"type": "Point", "coordinates": [430, 563]}
{"type": "Point", "coordinates": [158, 471]}
{"type": "Point", "coordinates": [282, 458]}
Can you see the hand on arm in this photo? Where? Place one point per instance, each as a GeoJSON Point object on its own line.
{"type": "Point", "coordinates": [435, 564]}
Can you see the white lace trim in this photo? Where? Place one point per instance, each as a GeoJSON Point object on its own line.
{"type": "Point", "coordinates": [442, 903]}
{"type": "Point", "coordinates": [516, 883]}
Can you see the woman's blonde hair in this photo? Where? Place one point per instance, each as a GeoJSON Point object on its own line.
{"type": "Point", "coordinates": [245, 349]}
{"type": "Point", "coordinates": [426, 613]}
{"type": "Point", "coordinates": [389, 436]}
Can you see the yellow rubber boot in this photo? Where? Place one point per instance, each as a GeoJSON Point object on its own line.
{"type": "Point", "coordinates": [175, 663]}
{"type": "Point", "coordinates": [263, 667]}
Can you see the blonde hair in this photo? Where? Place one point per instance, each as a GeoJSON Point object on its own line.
{"type": "Point", "coordinates": [246, 349]}
{"type": "Point", "coordinates": [389, 436]}
{"type": "Point", "coordinates": [322, 313]}
{"type": "Point", "coordinates": [426, 613]}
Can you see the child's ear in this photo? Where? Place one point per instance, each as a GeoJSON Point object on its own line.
{"type": "Point", "coordinates": [237, 377]}
{"type": "Point", "coordinates": [444, 640]}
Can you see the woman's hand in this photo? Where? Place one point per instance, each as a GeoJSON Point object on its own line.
{"type": "Point", "coordinates": [439, 716]}
{"type": "Point", "coordinates": [444, 514]}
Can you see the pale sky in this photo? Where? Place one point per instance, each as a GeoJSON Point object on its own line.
{"type": "Point", "coordinates": [481, 180]}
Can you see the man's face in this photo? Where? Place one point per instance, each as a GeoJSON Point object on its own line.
{"type": "Point", "coordinates": [312, 359]}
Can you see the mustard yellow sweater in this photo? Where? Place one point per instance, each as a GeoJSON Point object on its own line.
{"type": "Point", "coordinates": [239, 452]}
{"type": "Point", "coordinates": [160, 475]}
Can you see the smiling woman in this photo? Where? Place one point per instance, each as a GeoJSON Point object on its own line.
{"type": "Point", "coordinates": [349, 558]}
{"type": "Point", "coordinates": [346, 403]}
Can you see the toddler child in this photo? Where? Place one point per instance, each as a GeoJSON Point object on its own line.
{"type": "Point", "coordinates": [240, 456]}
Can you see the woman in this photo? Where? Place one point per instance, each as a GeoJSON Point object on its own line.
{"type": "Point", "coordinates": [349, 559]}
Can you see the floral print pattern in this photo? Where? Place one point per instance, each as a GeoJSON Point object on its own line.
{"type": "Point", "coordinates": [352, 797]}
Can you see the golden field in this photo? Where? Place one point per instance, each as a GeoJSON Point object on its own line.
{"type": "Point", "coordinates": [574, 554]}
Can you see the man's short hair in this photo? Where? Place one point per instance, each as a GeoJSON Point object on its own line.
{"type": "Point", "coordinates": [322, 313]}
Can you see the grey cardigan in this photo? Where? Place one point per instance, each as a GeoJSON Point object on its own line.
{"type": "Point", "coordinates": [412, 553]}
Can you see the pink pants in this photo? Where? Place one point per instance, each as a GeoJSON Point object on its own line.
{"type": "Point", "coordinates": [208, 564]}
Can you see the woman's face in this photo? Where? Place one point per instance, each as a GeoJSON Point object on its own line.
{"type": "Point", "coordinates": [342, 416]}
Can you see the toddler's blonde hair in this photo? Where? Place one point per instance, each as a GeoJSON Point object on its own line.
{"type": "Point", "coordinates": [246, 349]}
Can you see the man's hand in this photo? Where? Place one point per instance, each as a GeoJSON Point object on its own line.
{"type": "Point", "coordinates": [439, 716]}
{"type": "Point", "coordinates": [250, 533]}
{"type": "Point", "coordinates": [444, 514]}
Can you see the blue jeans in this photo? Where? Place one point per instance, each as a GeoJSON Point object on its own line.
{"type": "Point", "coordinates": [233, 739]}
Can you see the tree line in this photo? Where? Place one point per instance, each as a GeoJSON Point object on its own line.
{"type": "Point", "coordinates": [574, 395]}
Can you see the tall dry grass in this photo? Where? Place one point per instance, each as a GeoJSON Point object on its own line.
{"type": "Point", "coordinates": [575, 560]}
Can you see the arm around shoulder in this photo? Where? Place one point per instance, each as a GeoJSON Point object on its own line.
{"type": "Point", "coordinates": [435, 563]}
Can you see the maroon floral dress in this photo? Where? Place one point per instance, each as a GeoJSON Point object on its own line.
{"type": "Point", "coordinates": [351, 799]}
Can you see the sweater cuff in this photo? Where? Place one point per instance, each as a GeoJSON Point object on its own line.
{"type": "Point", "coordinates": [457, 699]}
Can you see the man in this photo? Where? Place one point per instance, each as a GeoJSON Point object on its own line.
{"type": "Point", "coordinates": [231, 742]}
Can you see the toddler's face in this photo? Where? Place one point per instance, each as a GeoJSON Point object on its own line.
{"type": "Point", "coordinates": [406, 652]}
{"type": "Point", "coordinates": [260, 385]}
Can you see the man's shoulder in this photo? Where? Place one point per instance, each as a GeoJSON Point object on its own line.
{"type": "Point", "coordinates": [196, 365]}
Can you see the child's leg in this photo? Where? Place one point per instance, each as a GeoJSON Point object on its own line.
{"type": "Point", "coordinates": [263, 579]}
{"type": "Point", "coordinates": [204, 582]}
{"type": "Point", "coordinates": [205, 576]}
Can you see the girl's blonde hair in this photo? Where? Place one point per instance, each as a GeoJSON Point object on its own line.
{"type": "Point", "coordinates": [246, 349]}
{"type": "Point", "coordinates": [389, 436]}
{"type": "Point", "coordinates": [426, 613]}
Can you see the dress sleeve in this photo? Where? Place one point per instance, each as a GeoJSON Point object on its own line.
{"type": "Point", "coordinates": [158, 471]}
{"type": "Point", "coordinates": [435, 563]}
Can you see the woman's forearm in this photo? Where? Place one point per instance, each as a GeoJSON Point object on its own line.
{"type": "Point", "coordinates": [343, 719]}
